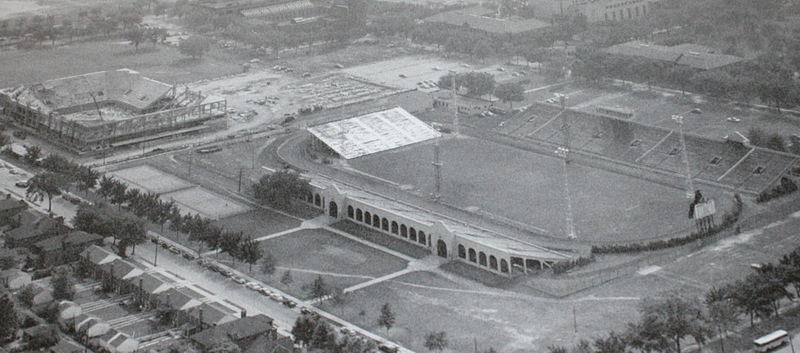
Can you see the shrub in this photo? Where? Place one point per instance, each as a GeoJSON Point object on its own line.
{"type": "Point", "coordinates": [564, 266]}
{"type": "Point", "coordinates": [787, 186]}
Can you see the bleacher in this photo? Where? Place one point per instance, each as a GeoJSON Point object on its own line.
{"type": "Point", "coordinates": [652, 147]}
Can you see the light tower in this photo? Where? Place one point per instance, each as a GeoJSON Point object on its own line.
{"type": "Point", "coordinates": [565, 153]}
{"type": "Point", "coordinates": [685, 155]}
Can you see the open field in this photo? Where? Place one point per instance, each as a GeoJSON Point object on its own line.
{"type": "Point", "coordinates": [425, 302]}
{"type": "Point", "coordinates": [528, 187]}
{"type": "Point", "coordinates": [163, 63]}
{"type": "Point", "coordinates": [258, 223]}
{"type": "Point", "coordinates": [417, 69]}
{"type": "Point", "coordinates": [310, 253]}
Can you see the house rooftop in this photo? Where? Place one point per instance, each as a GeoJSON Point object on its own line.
{"type": "Point", "coordinates": [235, 330]}
{"type": "Point", "coordinates": [75, 238]}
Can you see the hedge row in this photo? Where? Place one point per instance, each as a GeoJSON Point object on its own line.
{"type": "Point", "coordinates": [727, 220]}
{"type": "Point", "coordinates": [564, 266]}
{"type": "Point", "coordinates": [786, 187]}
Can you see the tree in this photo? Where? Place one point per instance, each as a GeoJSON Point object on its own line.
{"type": "Point", "coordinates": [106, 186]}
{"type": "Point", "coordinates": [721, 312]}
{"type": "Point", "coordinates": [771, 283]}
{"type": "Point", "coordinates": [32, 154]}
{"type": "Point", "coordinates": [8, 316]}
{"type": "Point", "coordinates": [319, 288]}
{"type": "Point", "coordinates": [680, 75]}
{"type": "Point", "coordinates": [675, 317]}
{"type": "Point", "coordinates": [268, 264]}
{"type": "Point", "coordinates": [250, 252]}
{"type": "Point", "coordinates": [193, 46]}
{"type": "Point", "coordinates": [757, 136]}
{"type": "Point", "coordinates": [87, 178]}
{"type": "Point", "coordinates": [4, 140]}
{"type": "Point", "coordinates": [775, 142]}
{"type": "Point", "coordinates": [323, 336]}
{"type": "Point", "coordinates": [136, 35]}
{"type": "Point", "coordinates": [280, 188]}
{"type": "Point", "coordinates": [436, 341]}
{"type": "Point", "coordinates": [286, 279]}
{"type": "Point", "coordinates": [510, 93]}
{"type": "Point", "coordinates": [303, 330]}
{"type": "Point", "coordinates": [26, 294]}
{"type": "Point", "coordinates": [62, 286]}
{"type": "Point", "coordinates": [47, 183]}
{"type": "Point", "coordinates": [387, 318]}
{"type": "Point", "coordinates": [557, 349]}
{"type": "Point", "coordinates": [613, 343]}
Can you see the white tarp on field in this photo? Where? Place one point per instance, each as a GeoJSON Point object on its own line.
{"type": "Point", "coordinates": [373, 133]}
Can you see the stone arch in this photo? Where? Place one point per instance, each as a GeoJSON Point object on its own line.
{"type": "Point", "coordinates": [359, 215]}
{"type": "Point", "coordinates": [317, 200]}
{"type": "Point", "coordinates": [333, 209]}
{"type": "Point", "coordinates": [503, 266]}
{"type": "Point", "coordinates": [394, 227]}
{"type": "Point", "coordinates": [492, 262]}
{"type": "Point", "coordinates": [472, 255]}
{"type": "Point", "coordinates": [462, 251]}
{"type": "Point", "coordinates": [482, 258]}
{"type": "Point", "coordinates": [412, 233]}
{"type": "Point", "coordinates": [422, 238]}
{"type": "Point", "coordinates": [350, 211]}
{"type": "Point", "coordinates": [385, 224]}
{"type": "Point", "coordinates": [441, 248]}
{"type": "Point", "coordinates": [367, 218]}
{"type": "Point", "coordinates": [376, 221]}
{"type": "Point", "coordinates": [403, 231]}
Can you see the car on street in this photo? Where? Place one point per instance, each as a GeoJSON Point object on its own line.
{"type": "Point", "coordinates": [238, 279]}
{"type": "Point", "coordinates": [12, 171]}
{"type": "Point", "coordinates": [173, 249]}
{"type": "Point", "coordinates": [22, 184]}
{"type": "Point", "coordinates": [265, 291]}
{"type": "Point", "coordinates": [289, 303]}
{"type": "Point", "coordinates": [402, 76]}
{"type": "Point", "coordinates": [733, 119]}
{"type": "Point", "coordinates": [305, 310]}
{"type": "Point", "coordinates": [388, 348]}
{"type": "Point", "coordinates": [253, 286]}
{"type": "Point", "coordinates": [276, 297]}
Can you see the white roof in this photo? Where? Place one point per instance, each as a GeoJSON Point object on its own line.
{"type": "Point", "coordinates": [373, 132]}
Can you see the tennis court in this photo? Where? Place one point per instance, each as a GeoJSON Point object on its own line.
{"type": "Point", "coordinates": [149, 179]}
{"type": "Point", "coordinates": [205, 202]}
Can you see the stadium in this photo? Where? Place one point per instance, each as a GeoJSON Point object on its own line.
{"type": "Point", "coordinates": [108, 109]}
{"type": "Point", "coordinates": [627, 184]}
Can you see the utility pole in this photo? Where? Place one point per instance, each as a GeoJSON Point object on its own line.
{"type": "Point", "coordinates": [565, 151]}
{"type": "Point", "coordinates": [240, 179]}
{"type": "Point", "coordinates": [158, 244]}
{"type": "Point", "coordinates": [685, 155]}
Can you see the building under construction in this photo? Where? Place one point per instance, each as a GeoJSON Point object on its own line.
{"type": "Point", "coordinates": [108, 109]}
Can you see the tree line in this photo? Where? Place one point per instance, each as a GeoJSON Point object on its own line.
{"type": "Point", "coordinates": [667, 322]}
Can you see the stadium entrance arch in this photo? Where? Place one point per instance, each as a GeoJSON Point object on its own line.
{"type": "Point", "coordinates": [441, 248]}
{"type": "Point", "coordinates": [333, 210]}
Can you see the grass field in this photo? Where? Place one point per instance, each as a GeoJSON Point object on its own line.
{"type": "Point", "coordinates": [258, 223]}
{"type": "Point", "coordinates": [162, 63]}
{"type": "Point", "coordinates": [426, 302]}
{"type": "Point", "coordinates": [150, 179]}
{"type": "Point", "coordinates": [528, 187]}
{"type": "Point", "coordinates": [310, 253]}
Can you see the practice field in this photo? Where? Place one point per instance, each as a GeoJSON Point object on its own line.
{"type": "Point", "coordinates": [427, 302]}
{"type": "Point", "coordinates": [147, 178]}
{"type": "Point", "coordinates": [206, 203]}
{"type": "Point", "coordinates": [415, 69]}
{"type": "Point", "coordinates": [528, 187]}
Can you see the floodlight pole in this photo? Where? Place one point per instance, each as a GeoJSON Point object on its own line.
{"type": "Point", "coordinates": [570, 222]}
{"type": "Point", "coordinates": [685, 155]}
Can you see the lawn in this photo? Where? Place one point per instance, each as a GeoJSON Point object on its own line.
{"type": "Point", "coordinates": [528, 187]}
{"type": "Point", "coordinates": [312, 252]}
{"type": "Point", "coordinates": [162, 62]}
{"type": "Point", "coordinates": [258, 223]}
{"type": "Point", "coordinates": [424, 302]}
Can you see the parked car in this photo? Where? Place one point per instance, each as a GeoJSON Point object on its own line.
{"type": "Point", "coordinates": [733, 119]}
{"type": "Point", "coordinates": [306, 310]}
{"type": "Point", "coordinates": [388, 348]}
{"type": "Point", "coordinates": [253, 285]}
{"type": "Point", "coordinates": [289, 303]}
{"type": "Point", "coordinates": [22, 184]}
{"type": "Point", "coordinates": [402, 76]}
{"type": "Point", "coordinates": [276, 297]}
{"type": "Point", "coordinates": [238, 279]}
{"type": "Point", "coordinates": [20, 134]}
{"type": "Point", "coordinates": [265, 291]}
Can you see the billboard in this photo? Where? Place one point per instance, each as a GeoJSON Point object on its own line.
{"type": "Point", "coordinates": [704, 209]}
